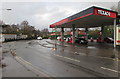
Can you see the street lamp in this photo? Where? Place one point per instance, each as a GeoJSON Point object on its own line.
{"type": "Point", "coordinates": [118, 6]}
{"type": "Point", "coordinates": [1, 25]}
{"type": "Point", "coordinates": [7, 9]}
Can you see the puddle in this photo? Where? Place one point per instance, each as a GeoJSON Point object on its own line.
{"type": "Point", "coordinates": [51, 46]}
{"type": "Point", "coordinates": [82, 54]}
{"type": "Point", "coordinates": [91, 47]}
{"type": "Point", "coordinates": [44, 44]}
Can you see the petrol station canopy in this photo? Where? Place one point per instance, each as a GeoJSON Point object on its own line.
{"type": "Point", "coordinates": [91, 17]}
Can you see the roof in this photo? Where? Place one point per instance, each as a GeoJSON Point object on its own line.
{"type": "Point", "coordinates": [91, 17]}
{"type": "Point", "coordinates": [4, 25]}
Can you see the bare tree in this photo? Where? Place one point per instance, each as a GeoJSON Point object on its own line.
{"type": "Point", "coordinates": [116, 8]}
{"type": "Point", "coordinates": [24, 23]}
{"type": "Point", "coordinates": [1, 22]}
{"type": "Point", "coordinates": [45, 32]}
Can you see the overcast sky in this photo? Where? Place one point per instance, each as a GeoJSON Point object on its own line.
{"type": "Point", "coordinates": [42, 14]}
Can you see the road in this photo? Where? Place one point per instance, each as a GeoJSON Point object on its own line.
{"type": "Point", "coordinates": [62, 62]}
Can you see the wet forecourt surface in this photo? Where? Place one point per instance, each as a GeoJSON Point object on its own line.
{"type": "Point", "coordinates": [69, 60]}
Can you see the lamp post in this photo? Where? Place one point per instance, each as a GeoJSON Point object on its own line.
{"type": "Point", "coordinates": [1, 25]}
{"type": "Point", "coordinates": [1, 39]}
{"type": "Point", "coordinates": [119, 7]}
{"type": "Point", "coordinates": [6, 9]}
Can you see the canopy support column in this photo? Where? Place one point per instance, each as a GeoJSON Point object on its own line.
{"type": "Point", "coordinates": [102, 33]}
{"type": "Point", "coordinates": [114, 32]}
{"type": "Point", "coordinates": [86, 31]}
{"type": "Point", "coordinates": [77, 32]}
{"type": "Point", "coordinates": [73, 35]}
{"type": "Point", "coordinates": [62, 36]}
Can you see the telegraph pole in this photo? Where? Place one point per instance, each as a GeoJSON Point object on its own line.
{"type": "Point", "coordinates": [119, 7]}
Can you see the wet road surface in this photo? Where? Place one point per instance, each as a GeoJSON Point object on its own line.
{"type": "Point", "coordinates": [63, 62]}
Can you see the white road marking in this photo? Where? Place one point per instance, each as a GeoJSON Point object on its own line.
{"type": "Point", "coordinates": [110, 69]}
{"type": "Point", "coordinates": [58, 55]}
{"type": "Point", "coordinates": [67, 58]}
{"type": "Point", "coordinates": [77, 60]}
{"type": "Point", "coordinates": [115, 59]}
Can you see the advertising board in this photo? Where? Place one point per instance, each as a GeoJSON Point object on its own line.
{"type": "Point", "coordinates": [118, 35]}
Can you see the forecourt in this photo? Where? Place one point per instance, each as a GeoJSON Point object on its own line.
{"type": "Point", "coordinates": [91, 17]}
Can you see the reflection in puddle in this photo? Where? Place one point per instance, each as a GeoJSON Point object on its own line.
{"type": "Point", "coordinates": [91, 47]}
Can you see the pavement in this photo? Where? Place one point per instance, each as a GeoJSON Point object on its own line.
{"type": "Point", "coordinates": [68, 60]}
{"type": "Point", "coordinates": [0, 61]}
{"type": "Point", "coordinates": [15, 69]}
{"type": "Point", "coordinates": [0, 72]}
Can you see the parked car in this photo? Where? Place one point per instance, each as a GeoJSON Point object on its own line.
{"type": "Point", "coordinates": [67, 39]}
{"type": "Point", "coordinates": [81, 41]}
{"type": "Point", "coordinates": [99, 40]}
{"type": "Point", "coordinates": [58, 38]}
{"type": "Point", "coordinates": [108, 40]}
{"type": "Point", "coordinates": [39, 38]}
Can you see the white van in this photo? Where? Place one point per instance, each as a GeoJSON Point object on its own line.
{"type": "Point", "coordinates": [39, 38]}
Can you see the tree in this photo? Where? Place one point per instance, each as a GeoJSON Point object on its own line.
{"type": "Point", "coordinates": [26, 29]}
{"type": "Point", "coordinates": [109, 31]}
{"type": "Point", "coordinates": [1, 22]}
{"type": "Point", "coordinates": [10, 29]}
{"type": "Point", "coordinates": [24, 23]}
{"type": "Point", "coordinates": [45, 32]}
{"type": "Point", "coordinates": [116, 8]}
{"type": "Point", "coordinates": [94, 33]}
